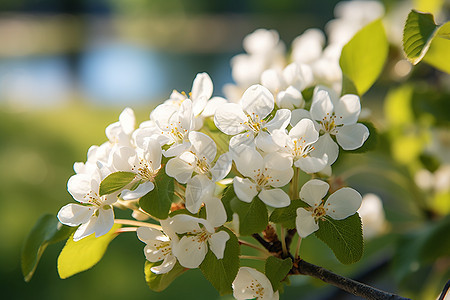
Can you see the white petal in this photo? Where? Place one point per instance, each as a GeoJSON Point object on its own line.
{"type": "Point", "coordinates": [148, 235]}
{"type": "Point", "coordinates": [179, 169]}
{"type": "Point", "coordinates": [277, 161]}
{"type": "Point", "coordinates": [75, 214]}
{"type": "Point", "coordinates": [190, 251]}
{"type": "Point", "coordinates": [265, 142]}
{"type": "Point", "coordinates": [198, 188]}
{"type": "Point", "coordinates": [244, 139]}
{"type": "Point", "coordinates": [230, 119]}
{"type": "Point", "coordinates": [222, 167]}
{"type": "Point", "coordinates": [79, 186]}
{"type": "Point", "coordinates": [280, 120]}
{"type": "Point", "coordinates": [347, 110]}
{"type": "Point", "coordinates": [306, 130]}
{"type": "Point", "coordinates": [290, 98]}
{"type": "Point", "coordinates": [326, 145]}
{"type": "Point", "coordinates": [321, 105]}
{"type": "Point", "coordinates": [215, 212]}
{"type": "Point", "coordinates": [184, 223]}
{"type": "Point", "coordinates": [212, 105]}
{"type": "Point", "coordinates": [153, 153]}
{"type": "Point", "coordinates": [217, 243]}
{"type": "Point", "coordinates": [198, 105]}
{"type": "Point", "coordinates": [105, 221]}
{"type": "Point", "coordinates": [203, 145]}
{"type": "Point", "coordinates": [202, 87]}
{"type": "Point", "coordinates": [127, 120]}
{"type": "Point", "coordinates": [272, 80]}
{"type": "Point", "coordinates": [185, 116]}
{"type": "Point", "coordinates": [280, 137]}
{"type": "Point", "coordinates": [85, 229]}
{"type": "Point", "coordinates": [279, 177]}
{"type": "Point", "coordinates": [314, 191]}
{"type": "Point", "coordinates": [123, 158]}
{"type": "Point", "coordinates": [299, 114]}
{"type": "Point", "coordinates": [142, 190]}
{"type": "Point", "coordinates": [298, 75]}
{"type": "Point", "coordinates": [343, 203]}
{"type": "Point", "coordinates": [257, 101]}
{"type": "Point", "coordinates": [305, 223]}
{"type": "Point", "coordinates": [275, 198]}
{"type": "Point", "coordinates": [177, 149]}
{"type": "Point", "coordinates": [248, 160]}
{"type": "Point", "coordinates": [166, 266]}
{"type": "Point", "coordinates": [310, 164]}
{"type": "Point", "coordinates": [352, 137]}
{"type": "Point", "coordinates": [245, 190]}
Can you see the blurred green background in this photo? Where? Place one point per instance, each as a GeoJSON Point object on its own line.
{"type": "Point", "coordinates": [68, 68]}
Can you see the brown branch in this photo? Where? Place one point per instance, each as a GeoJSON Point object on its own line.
{"type": "Point", "coordinates": [351, 286]}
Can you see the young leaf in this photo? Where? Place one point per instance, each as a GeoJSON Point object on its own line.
{"type": "Point", "coordinates": [276, 270]}
{"type": "Point", "coordinates": [227, 196]}
{"type": "Point", "coordinates": [438, 55]}
{"type": "Point", "coordinates": [115, 181]}
{"type": "Point", "coordinates": [363, 57]}
{"type": "Point", "coordinates": [46, 231]}
{"type": "Point", "coordinates": [286, 215]}
{"type": "Point", "coordinates": [79, 256]}
{"type": "Point", "coordinates": [160, 282]}
{"type": "Point", "coordinates": [252, 216]}
{"type": "Point", "coordinates": [417, 35]}
{"type": "Point", "coordinates": [221, 272]}
{"type": "Point", "coordinates": [344, 237]}
{"type": "Point", "coordinates": [157, 203]}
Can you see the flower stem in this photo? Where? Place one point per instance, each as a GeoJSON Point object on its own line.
{"type": "Point", "coordinates": [251, 257]}
{"type": "Point", "coordinates": [137, 223]}
{"type": "Point", "coordinates": [126, 229]}
{"type": "Point", "coordinates": [297, 250]}
{"type": "Point", "coordinates": [264, 251]}
{"type": "Point", "coordinates": [283, 241]}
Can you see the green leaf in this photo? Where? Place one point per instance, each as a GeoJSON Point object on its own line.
{"type": "Point", "coordinates": [363, 57]}
{"type": "Point", "coordinates": [79, 256]}
{"type": "Point", "coordinates": [221, 272]}
{"type": "Point", "coordinates": [160, 282]}
{"type": "Point", "coordinates": [286, 215]}
{"type": "Point", "coordinates": [46, 231]}
{"type": "Point", "coordinates": [418, 32]}
{"type": "Point", "coordinates": [157, 203]}
{"type": "Point", "coordinates": [252, 216]}
{"type": "Point", "coordinates": [344, 237]}
{"type": "Point", "coordinates": [438, 55]}
{"type": "Point", "coordinates": [227, 196]}
{"type": "Point", "coordinates": [115, 181]}
{"type": "Point", "coordinates": [276, 270]}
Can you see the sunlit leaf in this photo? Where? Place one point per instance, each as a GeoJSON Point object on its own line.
{"type": "Point", "coordinates": [82, 255]}
{"type": "Point", "coordinates": [363, 57]}
{"type": "Point", "coordinates": [286, 215]}
{"type": "Point", "coordinates": [46, 231]}
{"type": "Point", "coordinates": [253, 216]}
{"type": "Point", "coordinates": [160, 282]}
{"type": "Point", "coordinates": [157, 202]}
{"type": "Point", "coordinates": [115, 181]}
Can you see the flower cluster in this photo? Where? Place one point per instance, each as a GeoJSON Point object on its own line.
{"type": "Point", "coordinates": [255, 143]}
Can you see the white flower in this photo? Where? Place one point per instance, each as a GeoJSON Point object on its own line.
{"type": "Point", "coordinates": [298, 146]}
{"type": "Point", "coordinates": [339, 205]}
{"type": "Point", "coordinates": [159, 246]}
{"type": "Point", "coordinates": [120, 132]}
{"type": "Point", "coordinates": [264, 177]}
{"type": "Point", "coordinates": [199, 233]}
{"type": "Point", "coordinates": [202, 103]}
{"type": "Point", "coordinates": [288, 84]}
{"type": "Point", "coordinates": [145, 162]}
{"type": "Point", "coordinates": [249, 117]}
{"type": "Point", "coordinates": [174, 124]}
{"type": "Point", "coordinates": [336, 117]}
{"type": "Point", "coordinates": [96, 214]}
{"type": "Point", "coordinates": [199, 159]}
{"type": "Point", "coordinates": [252, 284]}
{"type": "Point", "coordinates": [372, 216]}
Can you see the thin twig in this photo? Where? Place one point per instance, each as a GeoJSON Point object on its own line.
{"type": "Point", "coordinates": [263, 250]}
{"type": "Point", "coordinates": [251, 257]}
{"type": "Point", "coordinates": [351, 286]}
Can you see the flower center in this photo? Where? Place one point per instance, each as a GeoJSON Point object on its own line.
{"type": "Point", "coordinates": [93, 198]}
{"type": "Point", "coordinates": [328, 124]}
{"type": "Point", "coordinates": [144, 170]}
{"type": "Point", "coordinates": [261, 179]}
{"type": "Point", "coordinates": [256, 288]}
{"type": "Point", "coordinates": [202, 165]}
{"type": "Point", "coordinates": [176, 132]}
{"type": "Point", "coordinates": [319, 212]}
{"type": "Point", "coordinates": [254, 123]}
{"type": "Point", "coordinates": [300, 149]}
